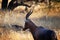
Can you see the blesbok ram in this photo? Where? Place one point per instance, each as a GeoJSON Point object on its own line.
{"type": "Point", "coordinates": [39, 33]}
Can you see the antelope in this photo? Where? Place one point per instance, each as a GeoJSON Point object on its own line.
{"type": "Point", "coordinates": [39, 33]}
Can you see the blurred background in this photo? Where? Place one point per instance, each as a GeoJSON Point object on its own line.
{"type": "Point", "coordinates": [48, 17]}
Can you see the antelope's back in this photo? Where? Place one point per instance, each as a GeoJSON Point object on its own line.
{"type": "Point", "coordinates": [45, 34]}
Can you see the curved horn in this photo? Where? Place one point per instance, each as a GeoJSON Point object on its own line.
{"type": "Point", "coordinates": [28, 14]}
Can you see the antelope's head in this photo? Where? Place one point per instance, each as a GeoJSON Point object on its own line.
{"type": "Point", "coordinates": [28, 22]}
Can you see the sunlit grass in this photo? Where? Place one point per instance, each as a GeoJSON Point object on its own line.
{"type": "Point", "coordinates": [13, 35]}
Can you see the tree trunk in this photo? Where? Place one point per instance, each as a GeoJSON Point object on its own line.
{"type": "Point", "coordinates": [4, 4]}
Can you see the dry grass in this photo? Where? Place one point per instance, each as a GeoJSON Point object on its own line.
{"type": "Point", "coordinates": [19, 35]}
{"type": "Point", "coordinates": [13, 35]}
{"type": "Point", "coordinates": [58, 34]}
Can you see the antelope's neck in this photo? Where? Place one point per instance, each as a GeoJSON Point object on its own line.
{"type": "Point", "coordinates": [31, 26]}
{"type": "Point", "coordinates": [32, 29]}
